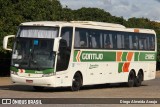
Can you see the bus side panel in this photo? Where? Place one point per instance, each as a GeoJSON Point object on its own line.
{"type": "Point", "coordinates": [151, 74]}
{"type": "Point", "coordinates": [113, 76]}
{"type": "Point", "coordinates": [82, 68]}
{"type": "Point", "coordinates": [100, 72]}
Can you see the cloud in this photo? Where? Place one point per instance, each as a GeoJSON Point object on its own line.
{"type": "Point", "coordinates": [107, 1]}
{"type": "Point", "coordinates": [135, 8]}
{"type": "Point", "coordinates": [158, 0]}
{"type": "Point", "coordinates": [154, 15]}
{"type": "Point", "coordinates": [126, 8]}
{"type": "Point", "coordinates": [124, 2]}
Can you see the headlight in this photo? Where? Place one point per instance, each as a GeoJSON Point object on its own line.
{"type": "Point", "coordinates": [48, 75]}
{"type": "Point", "coordinates": [13, 72]}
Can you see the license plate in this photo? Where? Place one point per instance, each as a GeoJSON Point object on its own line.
{"type": "Point", "coordinates": [29, 81]}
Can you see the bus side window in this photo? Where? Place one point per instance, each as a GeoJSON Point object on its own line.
{"type": "Point", "coordinates": [130, 42]}
{"type": "Point", "coordinates": [108, 41]}
{"type": "Point", "coordinates": [94, 43]}
{"type": "Point", "coordinates": [96, 39]}
{"type": "Point", "coordinates": [119, 41]}
{"type": "Point", "coordinates": [81, 38]}
{"type": "Point", "coordinates": [135, 42]}
{"type": "Point", "coordinates": [142, 42]}
{"type": "Point", "coordinates": [151, 43]}
{"type": "Point", "coordinates": [126, 42]}
{"type": "Point", "coordinates": [114, 38]}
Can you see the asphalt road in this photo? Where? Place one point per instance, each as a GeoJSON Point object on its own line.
{"type": "Point", "coordinates": [149, 89]}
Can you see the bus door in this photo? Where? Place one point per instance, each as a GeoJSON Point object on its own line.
{"type": "Point", "coordinates": [64, 49]}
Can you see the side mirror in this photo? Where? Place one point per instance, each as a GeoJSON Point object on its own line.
{"type": "Point", "coordinates": [56, 44]}
{"type": "Point", "coordinates": [5, 42]}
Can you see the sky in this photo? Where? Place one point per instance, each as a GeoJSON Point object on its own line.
{"type": "Point", "coordinates": [122, 8]}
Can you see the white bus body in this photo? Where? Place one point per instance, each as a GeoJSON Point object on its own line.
{"type": "Point", "coordinates": [78, 53]}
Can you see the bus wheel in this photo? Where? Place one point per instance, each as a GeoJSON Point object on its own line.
{"type": "Point", "coordinates": [77, 82]}
{"type": "Point", "coordinates": [139, 79]}
{"type": "Point", "coordinates": [131, 79]}
{"type": "Point", "coordinates": [38, 88]}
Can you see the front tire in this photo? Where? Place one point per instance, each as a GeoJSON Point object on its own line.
{"type": "Point", "coordinates": [77, 82]}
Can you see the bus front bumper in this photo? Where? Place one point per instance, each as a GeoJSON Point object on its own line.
{"type": "Point", "coordinates": [43, 81]}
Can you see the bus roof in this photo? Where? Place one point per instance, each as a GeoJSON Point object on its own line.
{"type": "Point", "coordinates": [104, 25]}
{"type": "Point", "coordinates": [43, 23]}
{"type": "Point", "coordinates": [54, 23]}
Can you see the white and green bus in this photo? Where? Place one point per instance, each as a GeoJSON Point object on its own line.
{"type": "Point", "coordinates": [78, 53]}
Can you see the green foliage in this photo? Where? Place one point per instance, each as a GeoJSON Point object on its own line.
{"type": "Point", "coordinates": [92, 14]}
{"type": "Point", "coordinates": [14, 12]}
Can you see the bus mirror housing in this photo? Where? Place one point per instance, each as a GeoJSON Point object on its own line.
{"type": "Point", "coordinates": [56, 44]}
{"type": "Point", "coordinates": [5, 42]}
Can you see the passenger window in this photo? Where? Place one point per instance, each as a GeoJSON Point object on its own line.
{"type": "Point", "coordinates": [151, 43]}
{"type": "Point", "coordinates": [142, 43]}
{"type": "Point", "coordinates": [81, 38]}
{"type": "Point", "coordinates": [95, 39]}
{"type": "Point", "coordinates": [126, 42]}
{"type": "Point", "coordinates": [108, 43]}
{"type": "Point", "coordinates": [67, 35]}
{"type": "Point", "coordinates": [135, 42]}
{"type": "Point", "coordinates": [130, 42]}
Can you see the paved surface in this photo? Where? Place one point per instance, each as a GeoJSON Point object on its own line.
{"type": "Point", "coordinates": [149, 89]}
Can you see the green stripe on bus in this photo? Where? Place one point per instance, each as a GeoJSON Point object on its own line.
{"type": "Point", "coordinates": [147, 56]}
{"type": "Point", "coordinates": [124, 56]}
{"type": "Point", "coordinates": [13, 69]}
{"type": "Point", "coordinates": [92, 56]}
{"type": "Point", "coordinates": [46, 71]}
{"type": "Point", "coordinates": [120, 66]}
{"type": "Point", "coordinates": [101, 56]}
{"type": "Point", "coordinates": [75, 54]}
{"type": "Point", "coordinates": [136, 56]}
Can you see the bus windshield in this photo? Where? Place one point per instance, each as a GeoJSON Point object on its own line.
{"type": "Point", "coordinates": [33, 48]}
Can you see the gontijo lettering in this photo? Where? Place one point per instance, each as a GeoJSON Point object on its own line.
{"type": "Point", "coordinates": [92, 56]}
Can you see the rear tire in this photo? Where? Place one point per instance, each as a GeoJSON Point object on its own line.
{"type": "Point", "coordinates": [139, 79]}
{"type": "Point", "coordinates": [77, 82]}
{"type": "Point", "coordinates": [131, 79]}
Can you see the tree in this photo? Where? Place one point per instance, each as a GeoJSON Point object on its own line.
{"type": "Point", "coordinates": [14, 12]}
{"type": "Point", "coordinates": [91, 14]}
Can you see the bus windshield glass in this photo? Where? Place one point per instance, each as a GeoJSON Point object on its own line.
{"type": "Point", "coordinates": [33, 48]}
